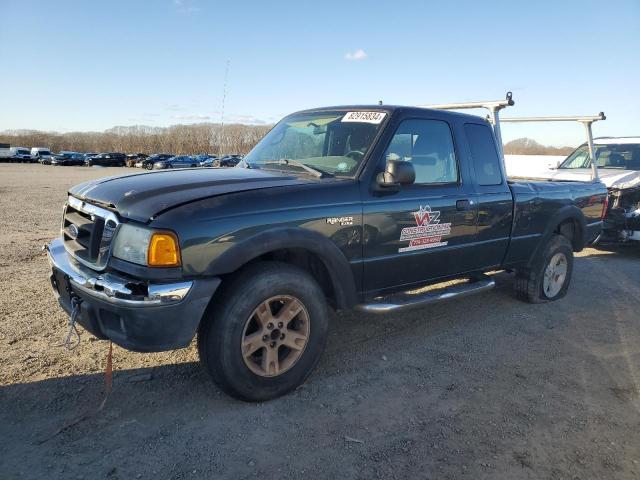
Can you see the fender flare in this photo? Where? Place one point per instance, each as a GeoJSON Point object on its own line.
{"type": "Point", "coordinates": [568, 212]}
{"type": "Point", "coordinates": [341, 276]}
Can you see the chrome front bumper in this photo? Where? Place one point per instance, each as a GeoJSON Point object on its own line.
{"type": "Point", "coordinates": [135, 314]}
{"type": "Point", "coordinates": [113, 288]}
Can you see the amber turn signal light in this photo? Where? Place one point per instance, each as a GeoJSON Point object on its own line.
{"type": "Point", "coordinates": [163, 250]}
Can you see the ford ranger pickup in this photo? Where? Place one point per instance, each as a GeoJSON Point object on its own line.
{"type": "Point", "coordinates": [355, 207]}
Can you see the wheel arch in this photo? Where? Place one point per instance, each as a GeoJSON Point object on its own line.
{"type": "Point", "coordinates": [306, 249]}
{"type": "Point", "coordinates": [569, 222]}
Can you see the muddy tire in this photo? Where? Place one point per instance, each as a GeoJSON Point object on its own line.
{"type": "Point", "coordinates": [549, 276]}
{"type": "Point", "coordinates": [264, 334]}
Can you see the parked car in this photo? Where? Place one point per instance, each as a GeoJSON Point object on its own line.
{"type": "Point", "coordinates": [133, 158]}
{"type": "Point", "coordinates": [111, 159]}
{"type": "Point", "coordinates": [206, 160]}
{"type": "Point", "coordinates": [149, 161]}
{"type": "Point", "coordinates": [383, 200]}
{"type": "Point", "coordinates": [618, 161]}
{"type": "Point", "coordinates": [20, 154]}
{"type": "Point", "coordinates": [41, 155]}
{"type": "Point", "coordinates": [68, 158]}
{"type": "Point", "coordinates": [179, 161]}
{"type": "Point", "coordinates": [202, 158]}
{"type": "Point", "coordinates": [227, 161]}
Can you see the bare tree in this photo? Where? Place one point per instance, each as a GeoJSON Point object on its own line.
{"type": "Point", "coordinates": [177, 139]}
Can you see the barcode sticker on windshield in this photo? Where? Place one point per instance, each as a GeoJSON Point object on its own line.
{"type": "Point", "coordinates": [364, 117]}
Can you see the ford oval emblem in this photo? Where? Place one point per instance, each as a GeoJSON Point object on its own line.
{"type": "Point", "coordinates": [73, 231]}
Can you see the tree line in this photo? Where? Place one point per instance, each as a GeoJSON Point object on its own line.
{"type": "Point", "coordinates": [528, 146]}
{"type": "Point", "coordinates": [177, 139]}
{"type": "Point", "coordinates": [192, 139]}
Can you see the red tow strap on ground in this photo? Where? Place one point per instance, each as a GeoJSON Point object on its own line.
{"type": "Point", "coordinates": [108, 376]}
{"type": "Point", "coordinates": [108, 384]}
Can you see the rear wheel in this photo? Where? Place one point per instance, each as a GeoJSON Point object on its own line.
{"type": "Point", "coordinates": [149, 166]}
{"type": "Point", "coordinates": [549, 276]}
{"type": "Point", "coordinates": [265, 334]}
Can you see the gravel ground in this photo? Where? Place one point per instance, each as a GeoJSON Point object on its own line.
{"type": "Point", "coordinates": [485, 387]}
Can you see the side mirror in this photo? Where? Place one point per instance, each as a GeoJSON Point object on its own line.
{"type": "Point", "coordinates": [396, 173]}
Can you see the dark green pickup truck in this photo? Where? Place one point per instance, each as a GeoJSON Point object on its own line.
{"type": "Point", "coordinates": [342, 207]}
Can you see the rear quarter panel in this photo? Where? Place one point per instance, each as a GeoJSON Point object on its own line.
{"type": "Point", "coordinates": [541, 206]}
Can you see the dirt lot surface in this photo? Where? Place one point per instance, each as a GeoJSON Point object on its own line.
{"type": "Point", "coordinates": [485, 387]}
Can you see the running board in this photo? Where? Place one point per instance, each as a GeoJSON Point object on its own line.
{"type": "Point", "coordinates": [403, 301]}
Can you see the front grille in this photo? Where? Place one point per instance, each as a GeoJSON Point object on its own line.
{"type": "Point", "coordinates": [87, 231]}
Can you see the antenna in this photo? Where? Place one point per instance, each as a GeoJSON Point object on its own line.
{"type": "Point", "coordinates": [224, 97]}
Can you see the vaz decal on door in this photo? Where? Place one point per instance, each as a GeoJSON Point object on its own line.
{"type": "Point", "coordinates": [428, 231]}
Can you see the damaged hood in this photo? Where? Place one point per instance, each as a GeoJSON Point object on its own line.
{"type": "Point", "coordinates": [612, 178]}
{"type": "Point", "coordinates": [143, 196]}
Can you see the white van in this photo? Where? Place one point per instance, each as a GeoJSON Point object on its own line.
{"type": "Point", "coordinates": [41, 155]}
{"type": "Point", "coordinates": [20, 154]}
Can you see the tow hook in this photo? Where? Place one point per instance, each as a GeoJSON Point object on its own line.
{"type": "Point", "coordinates": [72, 340]}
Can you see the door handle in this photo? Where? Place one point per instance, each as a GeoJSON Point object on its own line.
{"type": "Point", "coordinates": [462, 205]}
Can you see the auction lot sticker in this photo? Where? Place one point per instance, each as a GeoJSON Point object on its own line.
{"type": "Point", "coordinates": [364, 117]}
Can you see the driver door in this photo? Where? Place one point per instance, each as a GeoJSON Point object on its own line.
{"type": "Point", "coordinates": [423, 231]}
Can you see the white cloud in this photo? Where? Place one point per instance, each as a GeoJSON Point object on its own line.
{"type": "Point", "coordinates": [358, 54]}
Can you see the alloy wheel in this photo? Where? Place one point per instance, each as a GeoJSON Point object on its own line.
{"type": "Point", "coordinates": [275, 336]}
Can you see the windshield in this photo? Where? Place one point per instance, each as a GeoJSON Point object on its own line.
{"type": "Point", "coordinates": [614, 156]}
{"type": "Point", "coordinates": [334, 142]}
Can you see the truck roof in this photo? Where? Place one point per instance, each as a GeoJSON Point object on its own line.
{"type": "Point", "coordinates": [390, 109]}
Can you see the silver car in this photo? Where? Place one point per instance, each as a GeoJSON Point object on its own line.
{"type": "Point", "coordinates": [179, 161]}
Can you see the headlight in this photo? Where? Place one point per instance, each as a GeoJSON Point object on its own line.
{"type": "Point", "coordinates": [146, 247]}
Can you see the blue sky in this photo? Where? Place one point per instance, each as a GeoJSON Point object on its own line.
{"type": "Point", "coordinates": [90, 65]}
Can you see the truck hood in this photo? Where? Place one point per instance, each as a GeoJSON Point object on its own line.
{"type": "Point", "coordinates": [143, 196]}
{"type": "Point", "coordinates": [612, 178]}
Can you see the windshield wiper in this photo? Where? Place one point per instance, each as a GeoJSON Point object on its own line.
{"type": "Point", "coordinates": [316, 172]}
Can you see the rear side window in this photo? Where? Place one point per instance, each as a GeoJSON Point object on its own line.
{"type": "Point", "coordinates": [485, 158]}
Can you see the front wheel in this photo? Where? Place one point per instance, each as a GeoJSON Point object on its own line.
{"type": "Point", "coordinates": [549, 276]}
{"type": "Point", "coordinates": [264, 336]}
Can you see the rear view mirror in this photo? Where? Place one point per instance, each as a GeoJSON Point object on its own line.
{"type": "Point", "coordinates": [396, 173]}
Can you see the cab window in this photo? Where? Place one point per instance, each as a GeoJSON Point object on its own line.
{"type": "Point", "coordinates": [484, 156]}
{"type": "Point", "coordinates": [428, 145]}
